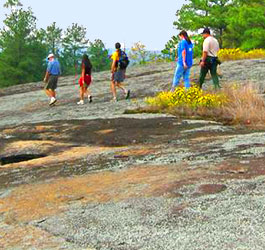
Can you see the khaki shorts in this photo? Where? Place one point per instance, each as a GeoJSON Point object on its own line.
{"type": "Point", "coordinates": [52, 82]}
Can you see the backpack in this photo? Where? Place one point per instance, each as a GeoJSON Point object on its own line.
{"type": "Point", "coordinates": [123, 61]}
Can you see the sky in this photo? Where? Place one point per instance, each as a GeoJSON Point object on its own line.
{"type": "Point", "coordinates": [125, 21]}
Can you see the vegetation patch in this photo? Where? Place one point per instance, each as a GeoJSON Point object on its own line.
{"type": "Point", "coordinates": [233, 104]}
{"type": "Point", "coordinates": [238, 54]}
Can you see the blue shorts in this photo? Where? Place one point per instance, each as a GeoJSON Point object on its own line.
{"type": "Point", "coordinates": [119, 76]}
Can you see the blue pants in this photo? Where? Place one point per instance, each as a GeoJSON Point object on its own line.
{"type": "Point", "coordinates": [181, 72]}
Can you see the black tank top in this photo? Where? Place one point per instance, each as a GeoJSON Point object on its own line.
{"type": "Point", "coordinates": [87, 69]}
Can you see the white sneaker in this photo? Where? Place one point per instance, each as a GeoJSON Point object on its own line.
{"type": "Point", "coordinates": [114, 99]}
{"type": "Point", "coordinates": [81, 102]}
{"type": "Point", "coordinates": [52, 101]}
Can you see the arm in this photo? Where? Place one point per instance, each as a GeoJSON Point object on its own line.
{"type": "Point", "coordinates": [184, 58]}
{"type": "Point", "coordinates": [204, 55]}
{"type": "Point", "coordinates": [205, 52]}
{"type": "Point", "coordinates": [47, 74]}
{"type": "Point", "coordinates": [83, 73]}
{"type": "Point", "coordinates": [46, 77]}
{"type": "Point", "coordinates": [113, 66]}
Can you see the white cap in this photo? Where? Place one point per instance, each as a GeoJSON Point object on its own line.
{"type": "Point", "coordinates": [50, 55]}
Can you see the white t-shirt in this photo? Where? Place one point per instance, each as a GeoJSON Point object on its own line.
{"type": "Point", "coordinates": [211, 46]}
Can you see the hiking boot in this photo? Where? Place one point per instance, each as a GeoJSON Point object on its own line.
{"type": "Point", "coordinates": [90, 98]}
{"type": "Point", "coordinates": [52, 101]}
{"type": "Point", "coordinates": [128, 94]}
{"type": "Point", "coordinates": [81, 102]}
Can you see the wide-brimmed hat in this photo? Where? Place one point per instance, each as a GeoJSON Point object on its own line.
{"type": "Point", "coordinates": [206, 31]}
{"type": "Point", "coordinates": [50, 55]}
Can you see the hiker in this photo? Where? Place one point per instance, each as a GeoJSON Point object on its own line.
{"type": "Point", "coordinates": [118, 68]}
{"type": "Point", "coordinates": [209, 59]}
{"type": "Point", "coordinates": [85, 80]}
{"type": "Point", "coordinates": [184, 61]}
{"type": "Point", "coordinates": [51, 78]}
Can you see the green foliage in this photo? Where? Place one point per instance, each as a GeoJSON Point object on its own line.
{"type": "Point", "coordinates": [236, 23]}
{"type": "Point", "coordinates": [246, 28]}
{"type": "Point", "coordinates": [197, 14]}
{"type": "Point", "coordinates": [171, 47]}
{"type": "Point", "coordinates": [73, 44]}
{"type": "Point", "coordinates": [52, 38]}
{"type": "Point", "coordinates": [20, 58]}
{"type": "Point", "coordinates": [98, 55]}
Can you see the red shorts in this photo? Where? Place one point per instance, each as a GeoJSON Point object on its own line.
{"type": "Point", "coordinates": [87, 80]}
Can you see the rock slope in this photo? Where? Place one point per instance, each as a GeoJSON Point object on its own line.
{"type": "Point", "coordinates": [91, 177]}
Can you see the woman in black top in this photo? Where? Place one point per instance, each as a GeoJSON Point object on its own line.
{"type": "Point", "coordinates": [85, 80]}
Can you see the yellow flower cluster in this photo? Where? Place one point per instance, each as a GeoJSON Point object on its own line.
{"type": "Point", "coordinates": [237, 54]}
{"type": "Point", "coordinates": [192, 97]}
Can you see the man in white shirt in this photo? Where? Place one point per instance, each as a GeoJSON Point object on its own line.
{"type": "Point", "coordinates": [209, 59]}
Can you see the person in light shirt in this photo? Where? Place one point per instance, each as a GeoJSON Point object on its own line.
{"type": "Point", "coordinates": [209, 61]}
{"type": "Point", "coordinates": [51, 78]}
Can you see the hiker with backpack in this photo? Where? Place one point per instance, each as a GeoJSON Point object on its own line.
{"type": "Point", "coordinates": [51, 78]}
{"type": "Point", "coordinates": [209, 61]}
{"type": "Point", "coordinates": [120, 62]}
{"type": "Point", "coordinates": [184, 61]}
{"type": "Point", "coordinates": [85, 80]}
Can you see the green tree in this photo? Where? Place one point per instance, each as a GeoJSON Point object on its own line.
{"type": "Point", "coordinates": [139, 53]}
{"type": "Point", "coordinates": [197, 14]}
{"type": "Point", "coordinates": [98, 55]}
{"type": "Point", "coordinates": [73, 45]}
{"type": "Point", "coordinates": [21, 59]}
{"type": "Point", "coordinates": [52, 38]}
{"type": "Point", "coordinates": [246, 25]}
{"type": "Point", "coordinates": [171, 46]}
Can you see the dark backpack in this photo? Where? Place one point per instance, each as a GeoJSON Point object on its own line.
{"type": "Point", "coordinates": [124, 61]}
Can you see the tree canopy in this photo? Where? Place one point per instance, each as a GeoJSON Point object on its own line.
{"type": "Point", "coordinates": [236, 23]}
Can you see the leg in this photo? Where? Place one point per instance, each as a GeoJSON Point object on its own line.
{"type": "Point", "coordinates": [186, 76]}
{"type": "Point", "coordinates": [120, 85]}
{"type": "Point", "coordinates": [178, 74]}
{"type": "Point", "coordinates": [52, 91]}
{"type": "Point", "coordinates": [213, 71]}
{"type": "Point", "coordinates": [88, 94]}
{"type": "Point", "coordinates": [82, 91]}
{"type": "Point", "coordinates": [203, 73]}
{"type": "Point", "coordinates": [113, 89]}
{"type": "Point", "coordinates": [48, 93]}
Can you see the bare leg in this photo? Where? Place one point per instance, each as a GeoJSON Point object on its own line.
{"type": "Point", "coordinates": [81, 93]}
{"type": "Point", "coordinates": [50, 92]}
{"type": "Point", "coordinates": [47, 91]}
{"type": "Point", "coordinates": [120, 85]}
{"type": "Point", "coordinates": [113, 89]}
{"type": "Point", "coordinates": [53, 93]}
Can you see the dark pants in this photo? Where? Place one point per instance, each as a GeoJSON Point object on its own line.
{"type": "Point", "coordinates": [210, 64]}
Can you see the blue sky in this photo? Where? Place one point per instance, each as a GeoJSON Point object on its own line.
{"type": "Point", "coordinates": [129, 21]}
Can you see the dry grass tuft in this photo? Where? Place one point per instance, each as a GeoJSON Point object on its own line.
{"type": "Point", "coordinates": [245, 105]}
{"type": "Point", "coordinates": [242, 105]}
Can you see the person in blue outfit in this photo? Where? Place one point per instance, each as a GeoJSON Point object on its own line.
{"type": "Point", "coordinates": [184, 61]}
{"type": "Point", "coordinates": [51, 78]}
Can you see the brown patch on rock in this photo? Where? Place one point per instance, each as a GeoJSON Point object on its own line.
{"type": "Point", "coordinates": [40, 146]}
{"type": "Point", "coordinates": [67, 155]}
{"type": "Point", "coordinates": [105, 131]}
{"type": "Point", "coordinates": [15, 236]}
{"type": "Point", "coordinates": [29, 202]}
{"type": "Point", "coordinates": [136, 152]}
{"type": "Point", "coordinates": [211, 188]}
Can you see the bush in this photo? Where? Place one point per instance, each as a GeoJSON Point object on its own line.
{"type": "Point", "coordinates": [193, 97]}
{"type": "Point", "coordinates": [237, 54]}
{"type": "Point", "coordinates": [233, 104]}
